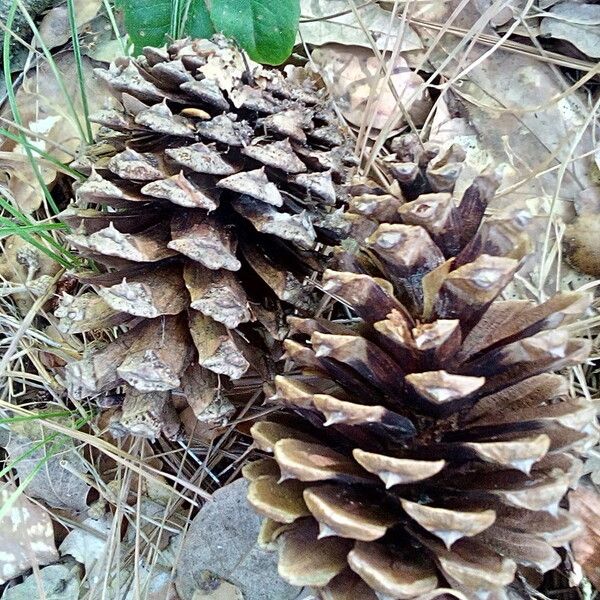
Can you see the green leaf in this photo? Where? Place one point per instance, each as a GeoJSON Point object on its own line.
{"type": "Point", "coordinates": [147, 23]}
{"type": "Point", "coordinates": [266, 29]}
{"type": "Point", "coordinates": [198, 23]}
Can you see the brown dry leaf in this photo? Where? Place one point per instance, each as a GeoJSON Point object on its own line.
{"type": "Point", "coordinates": [53, 127]}
{"type": "Point", "coordinates": [26, 536]}
{"type": "Point", "coordinates": [585, 504]}
{"type": "Point", "coordinates": [55, 29]}
{"type": "Point", "coordinates": [60, 482]}
{"type": "Point", "coordinates": [352, 77]}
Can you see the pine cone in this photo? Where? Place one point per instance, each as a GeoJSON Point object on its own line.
{"type": "Point", "coordinates": [210, 187]}
{"type": "Point", "coordinates": [426, 445]}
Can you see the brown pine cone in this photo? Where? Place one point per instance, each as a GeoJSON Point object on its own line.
{"type": "Point", "coordinates": [426, 444]}
{"type": "Point", "coordinates": [210, 188]}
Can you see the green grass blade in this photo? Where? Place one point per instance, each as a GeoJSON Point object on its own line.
{"type": "Point", "coordinates": [64, 257]}
{"type": "Point", "coordinates": [79, 68]}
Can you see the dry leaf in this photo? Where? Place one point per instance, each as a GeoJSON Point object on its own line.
{"type": "Point", "coordinates": [318, 26]}
{"type": "Point", "coordinates": [220, 590]}
{"type": "Point", "coordinates": [221, 545]}
{"type": "Point", "coordinates": [56, 582]}
{"type": "Point", "coordinates": [55, 29]}
{"type": "Point", "coordinates": [26, 536]}
{"type": "Point", "coordinates": [352, 76]}
{"type": "Point", "coordinates": [577, 23]}
{"type": "Point", "coordinates": [89, 548]}
{"type": "Point", "coordinates": [60, 481]}
{"type": "Point", "coordinates": [44, 111]}
{"type": "Point", "coordinates": [585, 504]}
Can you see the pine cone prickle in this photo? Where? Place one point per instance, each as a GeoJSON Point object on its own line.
{"type": "Point", "coordinates": [426, 444]}
{"type": "Point", "coordinates": [212, 183]}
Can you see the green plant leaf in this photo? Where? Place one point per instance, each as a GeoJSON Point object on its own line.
{"type": "Point", "coordinates": [198, 23]}
{"type": "Point", "coordinates": [147, 23]}
{"type": "Point", "coordinates": [266, 29]}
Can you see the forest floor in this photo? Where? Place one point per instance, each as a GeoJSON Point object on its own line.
{"type": "Point", "coordinates": [514, 82]}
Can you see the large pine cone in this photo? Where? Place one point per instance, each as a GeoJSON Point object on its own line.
{"type": "Point", "coordinates": [210, 187]}
{"type": "Point", "coordinates": [426, 444]}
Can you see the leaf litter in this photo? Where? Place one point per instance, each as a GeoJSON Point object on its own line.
{"type": "Point", "coordinates": [451, 75]}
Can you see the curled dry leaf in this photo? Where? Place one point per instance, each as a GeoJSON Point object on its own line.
{"type": "Point", "coordinates": [26, 536]}
{"type": "Point", "coordinates": [585, 504]}
{"type": "Point", "coordinates": [353, 76]}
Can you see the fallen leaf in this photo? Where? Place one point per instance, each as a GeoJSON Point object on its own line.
{"type": "Point", "coordinates": [221, 544]}
{"type": "Point", "coordinates": [55, 29]}
{"type": "Point", "coordinates": [59, 482]}
{"type": "Point", "coordinates": [26, 536]}
{"type": "Point", "coordinates": [56, 582]}
{"type": "Point", "coordinates": [44, 111]}
{"type": "Point", "coordinates": [352, 76]}
{"type": "Point", "coordinates": [222, 590]}
{"type": "Point", "coordinates": [585, 504]}
{"type": "Point", "coordinates": [327, 21]}
{"type": "Point", "coordinates": [577, 23]}
{"type": "Point", "coordinates": [87, 545]}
